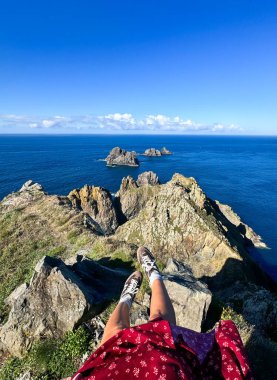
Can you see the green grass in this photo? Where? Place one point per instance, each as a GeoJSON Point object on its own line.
{"type": "Point", "coordinates": [50, 359]}
{"type": "Point", "coordinates": [99, 249]}
{"type": "Point", "coordinates": [119, 258]}
{"type": "Point", "coordinates": [72, 236]}
{"type": "Point", "coordinates": [27, 235]}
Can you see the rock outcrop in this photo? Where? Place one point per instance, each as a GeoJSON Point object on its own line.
{"type": "Point", "coordinates": [256, 304]}
{"type": "Point", "coordinates": [152, 152]}
{"type": "Point", "coordinates": [133, 195]}
{"type": "Point", "coordinates": [248, 233]}
{"type": "Point", "coordinates": [58, 298]}
{"type": "Point", "coordinates": [177, 220]}
{"type": "Point", "coordinates": [98, 204]}
{"type": "Point", "coordinates": [148, 178]}
{"type": "Point", "coordinates": [27, 193]}
{"type": "Point", "coordinates": [118, 156]}
{"type": "Point", "coordinates": [31, 186]}
{"type": "Point", "coordinates": [192, 189]}
{"type": "Point", "coordinates": [165, 151]}
{"type": "Point", "coordinates": [190, 297]}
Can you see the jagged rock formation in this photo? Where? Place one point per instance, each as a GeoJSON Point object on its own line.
{"type": "Point", "coordinates": [133, 195]}
{"type": "Point", "coordinates": [246, 231]}
{"type": "Point", "coordinates": [258, 305]}
{"type": "Point", "coordinates": [27, 193]}
{"type": "Point", "coordinates": [152, 152]}
{"type": "Point", "coordinates": [32, 186]}
{"type": "Point", "coordinates": [58, 298]}
{"type": "Point", "coordinates": [118, 156]}
{"type": "Point", "coordinates": [178, 220]}
{"type": "Point", "coordinates": [98, 204]}
{"type": "Point", "coordinates": [148, 178]}
{"type": "Point", "coordinates": [164, 150]}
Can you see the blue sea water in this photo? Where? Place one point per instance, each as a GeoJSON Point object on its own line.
{"type": "Point", "coordinates": [239, 171]}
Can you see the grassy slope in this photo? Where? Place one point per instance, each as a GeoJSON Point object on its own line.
{"type": "Point", "coordinates": [45, 227]}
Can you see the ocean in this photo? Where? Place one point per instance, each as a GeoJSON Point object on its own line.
{"type": "Point", "coordinates": [239, 171]}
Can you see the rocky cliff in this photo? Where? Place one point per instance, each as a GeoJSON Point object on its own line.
{"type": "Point", "coordinates": [62, 249]}
{"type": "Point", "coordinates": [97, 203]}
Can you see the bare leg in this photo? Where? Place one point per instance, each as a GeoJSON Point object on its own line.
{"type": "Point", "coordinates": [161, 305]}
{"type": "Point", "coordinates": [118, 321]}
{"type": "Point", "coordinates": [120, 318]}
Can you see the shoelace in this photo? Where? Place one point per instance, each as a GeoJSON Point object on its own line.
{"type": "Point", "coordinates": [148, 264]}
{"type": "Point", "coordinates": [132, 287]}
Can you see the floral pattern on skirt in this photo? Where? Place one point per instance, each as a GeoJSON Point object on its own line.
{"type": "Point", "coordinates": [149, 351]}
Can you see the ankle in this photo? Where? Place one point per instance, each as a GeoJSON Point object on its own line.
{"type": "Point", "coordinates": [155, 276]}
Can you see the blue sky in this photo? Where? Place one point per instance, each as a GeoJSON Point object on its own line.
{"type": "Point", "coordinates": [138, 67]}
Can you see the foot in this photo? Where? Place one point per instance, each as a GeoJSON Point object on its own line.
{"type": "Point", "coordinates": [131, 287]}
{"type": "Point", "coordinates": [148, 263]}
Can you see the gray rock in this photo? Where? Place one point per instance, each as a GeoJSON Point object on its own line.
{"type": "Point", "coordinates": [131, 199]}
{"type": "Point", "coordinates": [118, 156]}
{"type": "Point", "coordinates": [152, 152]}
{"type": "Point", "coordinates": [58, 298]}
{"type": "Point", "coordinates": [98, 204]}
{"type": "Point", "coordinates": [244, 229]}
{"type": "Point", "coordinates": [260, 309]}
{"type": "Point", "coordinates": [140, 311]}
{"type": "Point", "coordinates": [29, 192]}
{"type": "Point", "coordinates": [32, 186]}
{"type": "Point", "coordinates": [165, 151]}
{"type": "Point", "coordinates": [96, 326]}
{"type": "Point", "coordinates": [257, 305]}
{"type": "Point", "coordinates": [17, 293]}
{"type": "Point", "coordinates": [178, 220]}
{"type": "Point", "coordinates": [148, 178]}
{"type": "Point", "coordinates": [25, 376]}
{"type": "Point", "coordinates": [190, 297]}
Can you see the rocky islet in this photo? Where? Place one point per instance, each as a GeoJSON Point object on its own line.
{"type": "Point", "coordinates": [121, 157]}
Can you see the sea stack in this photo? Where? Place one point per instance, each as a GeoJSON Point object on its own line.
{"type": "Point", "coordinates": [118, 157]}
{"type": "Point", "coordinates": [164, 150]}
{"type": "Point", "coordinates": [152, 152]}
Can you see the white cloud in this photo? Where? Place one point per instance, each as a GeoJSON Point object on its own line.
{"type": "Point", "coordinates": [115, 122]}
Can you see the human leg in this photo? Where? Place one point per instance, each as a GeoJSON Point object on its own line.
{"type": "Point", "coordinates": [118, 321]}
{"type": "Point", "coordinates": [161, 305]}
{"type": "Point", "coordinates": [119, 318]}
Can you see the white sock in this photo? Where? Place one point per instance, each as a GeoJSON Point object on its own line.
{"type": "Point", "coordinates": [127, 299]}
{"type": "Point", "coordinates": [155, 275]}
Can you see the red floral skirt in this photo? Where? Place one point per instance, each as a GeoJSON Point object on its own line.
{"type": "Point", "coordinates": [157, 351]}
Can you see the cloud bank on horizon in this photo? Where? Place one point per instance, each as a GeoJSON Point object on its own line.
{"type": "Point", "coordinates": [110, 123]}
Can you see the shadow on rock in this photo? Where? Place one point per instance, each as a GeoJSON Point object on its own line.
{"type": "Point", "coordinates": [252, 307]}
{"type": "Point", "coordinates": [60, 296]}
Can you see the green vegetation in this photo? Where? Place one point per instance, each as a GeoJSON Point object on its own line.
{"type": "Point", "coordinates": [27, 234]}
{"type": "Point", "coordinates": [116, 258]}
{"type": "Point", "coordinates": [259, 350]}
{"type": "Point", "coordinates": [50, 359]}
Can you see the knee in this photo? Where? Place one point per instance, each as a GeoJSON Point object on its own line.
{"type": "Point", "coordinates": [109, 334]}
{"type": "Point", "coordinates": [156, 315]}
